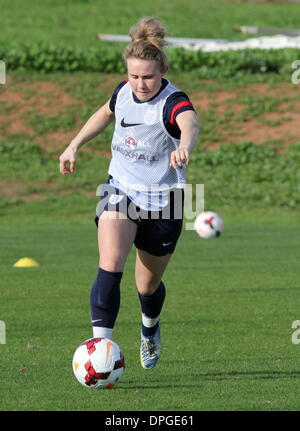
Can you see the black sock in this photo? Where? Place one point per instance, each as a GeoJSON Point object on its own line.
{"type": "Point", "coordinates": [151, 307]}
{"type": "Point", "coordinates": [105, 298]}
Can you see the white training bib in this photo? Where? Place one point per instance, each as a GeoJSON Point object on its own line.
{"type": "Point", "coordinates": [141, 145]}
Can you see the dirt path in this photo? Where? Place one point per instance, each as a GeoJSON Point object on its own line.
{"type": "Point", "coordinates": [258, 112]}
{"type": "Point", "coordinates": [226, 116]}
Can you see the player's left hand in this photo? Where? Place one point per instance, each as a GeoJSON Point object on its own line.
{"type": "Point", "coordinates": [179, 157]}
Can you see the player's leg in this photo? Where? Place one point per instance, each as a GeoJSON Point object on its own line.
{"type": "Point", "coordinates": [155, 242]}
{"type": "Point", "coordinates": [116, 234]}
{"type": "Point", "coordinates": [115, 238]}
{"type": "Point", "coordinates": [149, 270]}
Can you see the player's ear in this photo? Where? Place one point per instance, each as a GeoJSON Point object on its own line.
{"type": "Point", "coordinates": [166, 68]}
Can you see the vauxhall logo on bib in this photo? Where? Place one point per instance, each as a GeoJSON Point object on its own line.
{"type": "Point", "coordinates": [130, 142]}
{"type": "Point", "coordinates": [132, 150]}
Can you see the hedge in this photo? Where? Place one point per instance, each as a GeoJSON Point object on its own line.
{"type": "Point", "coordinates": [108, 59]}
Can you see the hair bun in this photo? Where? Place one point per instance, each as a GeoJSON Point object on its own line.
{"type": "Point", "coordinates": [148, 40]}
{"type": "Point", "coordinates": [149, 29]}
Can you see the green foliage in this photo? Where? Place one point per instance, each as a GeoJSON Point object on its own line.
{"type": "Point", "coordinates": [235, 155]}
{"type": "Point", "coordinates": [49, 57]}
{"type": "Point", "coordinates": [249, 176]}
{"type": "Point", "coordinates": [43, 124]}
{"type": "Point", "coordinates": [19, 150]}
{"type": "Point", "coordinates": [45, 57]}
{"type": "Point", "coordinates": [237, 176]}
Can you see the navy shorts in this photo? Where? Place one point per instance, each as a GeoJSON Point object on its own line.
{"type": "Point", "coordinates": [158, 231]}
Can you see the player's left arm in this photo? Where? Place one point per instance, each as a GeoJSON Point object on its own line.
{"type": "Point", "coordinates": [188, 124]}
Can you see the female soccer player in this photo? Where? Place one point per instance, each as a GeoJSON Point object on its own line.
{"type": "Point", "coordinates": [141, 202]}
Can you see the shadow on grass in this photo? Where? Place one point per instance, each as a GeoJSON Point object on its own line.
{"type": "Point", "coordinates": [236, 375]}
{"type": "Point", "coordinates": [200, 378]}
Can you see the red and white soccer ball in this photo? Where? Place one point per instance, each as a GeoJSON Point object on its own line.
{"type": "Point", "coordinates": [208, 224]}
{"type": "Point", "coordinates": [98, 363]}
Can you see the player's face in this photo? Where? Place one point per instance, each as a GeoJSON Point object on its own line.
{"type": "Point", "coordinates": [144, 77]}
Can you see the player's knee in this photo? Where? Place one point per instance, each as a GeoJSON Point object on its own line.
{"type": "Point", "coordinates": [148, 288]}
{"type": "Point", "coordinates": [111, 264]}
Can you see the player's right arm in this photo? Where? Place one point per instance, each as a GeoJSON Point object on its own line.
{"type": "Point", "coordinates": [95, 125]}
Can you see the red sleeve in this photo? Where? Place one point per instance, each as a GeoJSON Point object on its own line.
{"type": "Point", "coordinates": [175, 104]}
{"type": "Point", "coordinates": [180, 107]}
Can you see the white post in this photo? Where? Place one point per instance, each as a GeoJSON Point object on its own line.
{"type": "Point", "coordinates": [2, 72]}
{"type": "Point", "coordinates": [2, 332]}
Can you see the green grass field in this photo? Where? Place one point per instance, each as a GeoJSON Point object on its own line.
{"type": "Point", "coordinates": [227, 320]}
{"type": "Point", "coordinates": [77, 22]}
{"type": "Point", "coordinates": [226, 325]}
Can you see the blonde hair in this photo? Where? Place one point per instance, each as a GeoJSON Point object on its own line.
{"type": "Point", "coordinates": [148, 41]}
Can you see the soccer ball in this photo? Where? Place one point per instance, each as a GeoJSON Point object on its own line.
{"type": "Point", "coordinates": [208, 224]}
{"type": "Point", "coordinates": [98, 363]}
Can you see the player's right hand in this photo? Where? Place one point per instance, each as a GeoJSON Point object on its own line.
{"type": "Point", "coordinates": [67, 161]}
